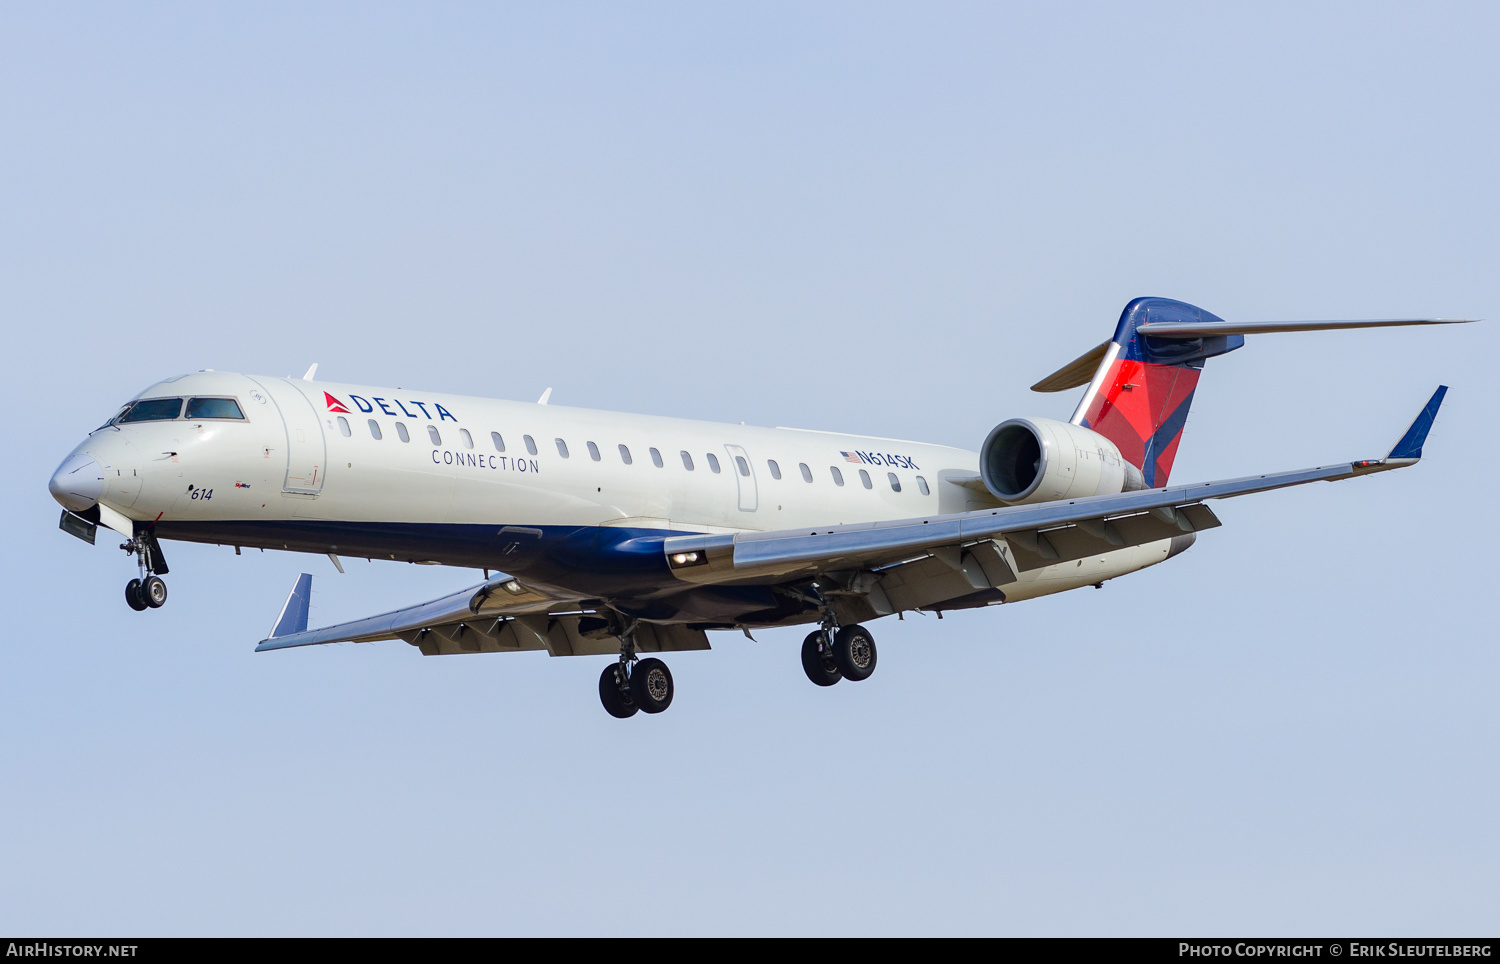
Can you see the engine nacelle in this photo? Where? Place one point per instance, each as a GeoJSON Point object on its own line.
{"type": "Point", "coordinates": [1028, 460]}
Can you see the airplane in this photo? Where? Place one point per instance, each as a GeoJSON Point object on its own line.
{"type": "Point", "coordinates": [620, 535]}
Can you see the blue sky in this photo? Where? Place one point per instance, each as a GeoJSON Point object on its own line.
{"type": "Point", "coordinates": [880, 219]}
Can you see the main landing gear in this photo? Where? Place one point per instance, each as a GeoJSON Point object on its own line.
{"type": "Point", "coordinates": [633, 685]}
{"type": "Point", "coordinates": [149, 591]}
{"type": "Point", "coordinates": [831, 654]}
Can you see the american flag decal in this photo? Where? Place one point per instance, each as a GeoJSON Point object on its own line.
{"type": "Point", "coordinates": [852, 457]}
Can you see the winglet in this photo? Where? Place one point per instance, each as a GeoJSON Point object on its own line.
{"type": "Point", "coordinates": [293, 618]}
{"type": "Point", "coordinates": [1410, 446]}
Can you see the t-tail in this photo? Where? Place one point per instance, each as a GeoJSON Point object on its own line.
{"type": "Point", "coordinates": [1141, 382]}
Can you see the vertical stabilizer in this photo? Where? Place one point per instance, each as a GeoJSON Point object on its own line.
{"type": "Point", "coordinates": [1141, 391]}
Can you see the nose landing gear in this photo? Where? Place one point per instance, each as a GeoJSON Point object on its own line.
{"type": "Point", "coordinates": [149, 591]}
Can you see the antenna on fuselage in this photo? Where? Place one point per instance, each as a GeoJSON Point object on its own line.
{"type": "Point", "coordinates": [311, 371]}
{"type": "Point", "coordinates": [541, 401]}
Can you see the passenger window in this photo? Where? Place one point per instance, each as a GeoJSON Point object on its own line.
{"type": "Point", "coordinates": [687, 461]}
{"type": "Point", "coordinates": [213, 408]}
{"type": "Point", "coordinates": [775, 469]}
{"type": "Point", "coordinates": [374, 430]}
{"type": "Point", "coordinates": [432, 433]}
{"type": "Point", "coordinates": [895, 482]}
{"type": "Point", "coordinates": [713, 463]}
{"type": "Point", "coordinates": [562, 447]}
{"type": "Point", "coordinates": [922, 486]}
{"type": "Point", "coordinates": [530, 444]}
{"type": "Point", "coordinates": [401, 432]}
{"type": "Point", "coordinates": [343, 426]}
{"type": "Point", "coordinates": [468, 439]}
{"type": "Point", "coordinates": [838, 477]}
{"type": "Point", "coordinates": [499, 442]}
{"type": "Point", "coordinates": [744, 467]}
{"type": "Point", "coordinates": [593, 451]}
{"type": "Point", "coordinates": [625, 455]}
{"type": "Point", "coordinates": [806, 472]}
{"type": "Point", "coordinates": [153, 410]}
{"type": "Point", "coordinates": [864, 477]}
{"type": "Point", "coordinates": [656, 458]}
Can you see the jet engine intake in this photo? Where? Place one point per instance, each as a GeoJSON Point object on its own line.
{"type": "Point", "coordinates": [1030, 460]}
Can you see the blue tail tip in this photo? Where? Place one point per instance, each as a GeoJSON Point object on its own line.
{"type": "Point", "coordinates": [293, 618]}
{"type": "Point", "coordinates": [1410, 446]}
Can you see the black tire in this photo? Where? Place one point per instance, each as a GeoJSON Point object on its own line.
{"type": "Point", "coordinates": [133, 595]}
{"type": "Point", "coordinates": [618, 701]}
{"type": "Point", "coordinates": [651, 685]}
{"type": "Point", "coordinates": [818, 662]}
{"type": "Point", "coordinates": [854, 648]}
{"type": "Point", "coordinates": [154, 591]}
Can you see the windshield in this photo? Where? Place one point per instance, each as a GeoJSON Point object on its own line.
{"type": "Point", "coordinates": [113, 418]}
{"type": "Point", "coordinates": [153, 410]}
{"type": "Point", "coordinates": [213, 408]}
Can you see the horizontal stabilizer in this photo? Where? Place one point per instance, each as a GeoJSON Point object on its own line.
{"type": "Point", "coordinates": [1203, 329]}
{"type": "Point", "coordinates": [1077, 372]}
{"type": "Point", "coordinates": [1410, 446]}
{"type": "Point", "coordinates": [293, 618]}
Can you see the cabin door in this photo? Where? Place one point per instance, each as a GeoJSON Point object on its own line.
{"type": "Point", "coordinates": [306, 452]}
{"type": "Point", "coordinates": [744, 476]}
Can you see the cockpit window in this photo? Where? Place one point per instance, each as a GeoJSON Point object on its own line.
{"type": "Point", "coordinates": [113, 418]}
{"type": "Point", "coordinates": [213, 408]}
{"type": "Point", "coordinates": [153, 410]}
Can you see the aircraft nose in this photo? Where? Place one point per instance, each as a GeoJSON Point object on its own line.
{"type": "Point", "coordinates": [77, 483]}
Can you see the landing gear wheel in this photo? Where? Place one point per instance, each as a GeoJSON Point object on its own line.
{"type": "Point", "coordinates": [818, 661]}
{"type": "Point", "coordinates": [133, 595]}
{"type": "Point", "coordinates": [854, 648]}
{"type": "Point", "coordinates": [618, 700]}
{"type": "Point", "coordinates": [651, 684]}
{"type": "Point", "coordinates": [154, 591]}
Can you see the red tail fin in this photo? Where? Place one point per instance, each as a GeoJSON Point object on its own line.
{"type": "Point", "coordinates": [1140, 395]}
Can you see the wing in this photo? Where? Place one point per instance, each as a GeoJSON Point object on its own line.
{"type": "Point", "coordinates": [984, 549]}
{"type": "Point", "coordinates": [889, 566]}
{"type": "Point", "coordinates": [496, 616]}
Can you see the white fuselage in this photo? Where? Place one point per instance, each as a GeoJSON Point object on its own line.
{"type": "Point", "coordinates": [425, 477]}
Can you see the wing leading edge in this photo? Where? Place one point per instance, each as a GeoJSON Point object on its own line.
{"type": "Point", "coordinates": [497, 616]}
{"type": "Point", "coordinates": [786, 554]}
{"type": "Point", "coordinates": [496, 600]}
